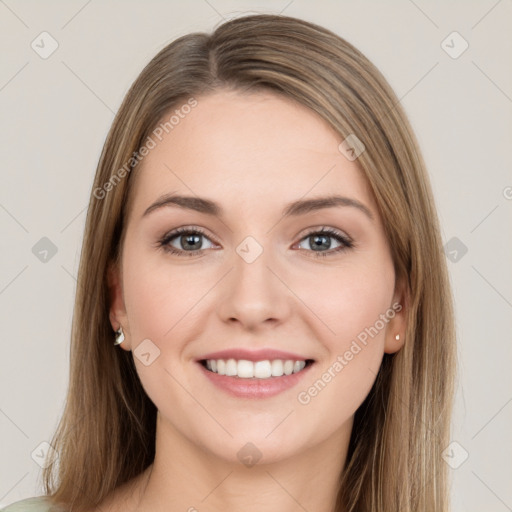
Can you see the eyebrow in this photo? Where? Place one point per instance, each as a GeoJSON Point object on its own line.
{"type": "Point", "coordinates": [295, 208]}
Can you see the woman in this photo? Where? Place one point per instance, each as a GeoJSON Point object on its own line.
{"type": "Point", "coordinates": [301, 355]}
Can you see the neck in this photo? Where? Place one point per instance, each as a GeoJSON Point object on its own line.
{"type": "Point", "coordinates": [185, 478]}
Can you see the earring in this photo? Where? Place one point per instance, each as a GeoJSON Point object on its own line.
{"type": "Point", "coordinates": [119, 336]}
{"type": "Point", "coordinates": [397, 337]}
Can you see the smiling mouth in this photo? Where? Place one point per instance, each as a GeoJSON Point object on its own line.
{"type": "Point", "coordinates": [265, 369]}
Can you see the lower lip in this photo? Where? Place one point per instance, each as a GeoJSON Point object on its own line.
{"type": "Point", "coordinates": [255, 388]}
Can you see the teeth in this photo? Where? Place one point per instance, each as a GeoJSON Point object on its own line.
{"type": "Point", "coordinates": [262, 369]}
{"type": "Point", "coordinates": [231, 367]}
{"type": "Point", "coordinates": [288, 367]}
{"type": "Point", "coordinates": [259, 369]}
{"type": "Point", "coordinates": [245, 369]}
{"type": "Point", "coordinates": [277, 368]}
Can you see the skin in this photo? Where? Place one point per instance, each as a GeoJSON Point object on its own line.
{"type": "Point", "coordinates": [253, 154]}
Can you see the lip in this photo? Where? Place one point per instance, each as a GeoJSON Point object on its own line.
{"type": "Point", "coordinates": [254, 388]}
{"type": "Point", "coordinates": [253, 355]}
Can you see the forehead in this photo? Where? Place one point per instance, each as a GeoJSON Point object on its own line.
{"type": "Point", "coordinates": [249, 149]}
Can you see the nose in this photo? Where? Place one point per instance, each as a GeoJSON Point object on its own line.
{"type": "Point", "coordinates": [254, 294]}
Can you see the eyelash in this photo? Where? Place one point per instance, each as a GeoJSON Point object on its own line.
{"type": "Point", "coordinates": [163, 243]}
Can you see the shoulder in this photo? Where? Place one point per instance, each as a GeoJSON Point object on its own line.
{"type": "Point", "coordinates": [36, 504]}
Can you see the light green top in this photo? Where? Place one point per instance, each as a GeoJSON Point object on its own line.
{"type": "Point", "coordinates": [36, 504]}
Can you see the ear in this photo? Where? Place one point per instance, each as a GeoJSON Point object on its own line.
{"type": "Point", "coordinates": [117, 310]}
{"type": "Point", "coordinates": [397, 324]}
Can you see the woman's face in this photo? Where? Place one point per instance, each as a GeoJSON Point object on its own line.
{"type": "Point", "coordinates": [260, 276]}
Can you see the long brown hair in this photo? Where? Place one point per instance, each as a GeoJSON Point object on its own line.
{"type": "Point", "coordinates": [106, 435]}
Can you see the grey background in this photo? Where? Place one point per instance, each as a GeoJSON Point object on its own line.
{"type": "Point", "coordinates": [56, 113]}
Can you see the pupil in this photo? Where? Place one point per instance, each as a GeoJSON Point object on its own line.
{"type": "Point", "coordinates": [317, 244]}
{"type": "Point", "coordinates": [196, 241]}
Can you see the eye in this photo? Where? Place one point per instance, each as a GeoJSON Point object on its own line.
{"type": "Point", "coordinates": [318, 240]}
{"type": "Point", "coordinates": [189, 239]}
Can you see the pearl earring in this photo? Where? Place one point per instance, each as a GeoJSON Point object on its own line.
{"type": "Point", "coordinates": [397, 337]}
{"type": "Point", "coordinates": [119, 336]}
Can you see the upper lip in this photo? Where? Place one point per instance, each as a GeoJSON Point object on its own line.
{"type": "Point", "coordinates": [253, 355]}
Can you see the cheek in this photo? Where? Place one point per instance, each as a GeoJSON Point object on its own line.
{"type": "Point", "coordinates": [159, 303]}
{"type": "Point", "coordinates": [349, 299]}
{"type": "Point", "coordinates": [355, 306]}
{"type": "Point", "coordinates": [158, 295]}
